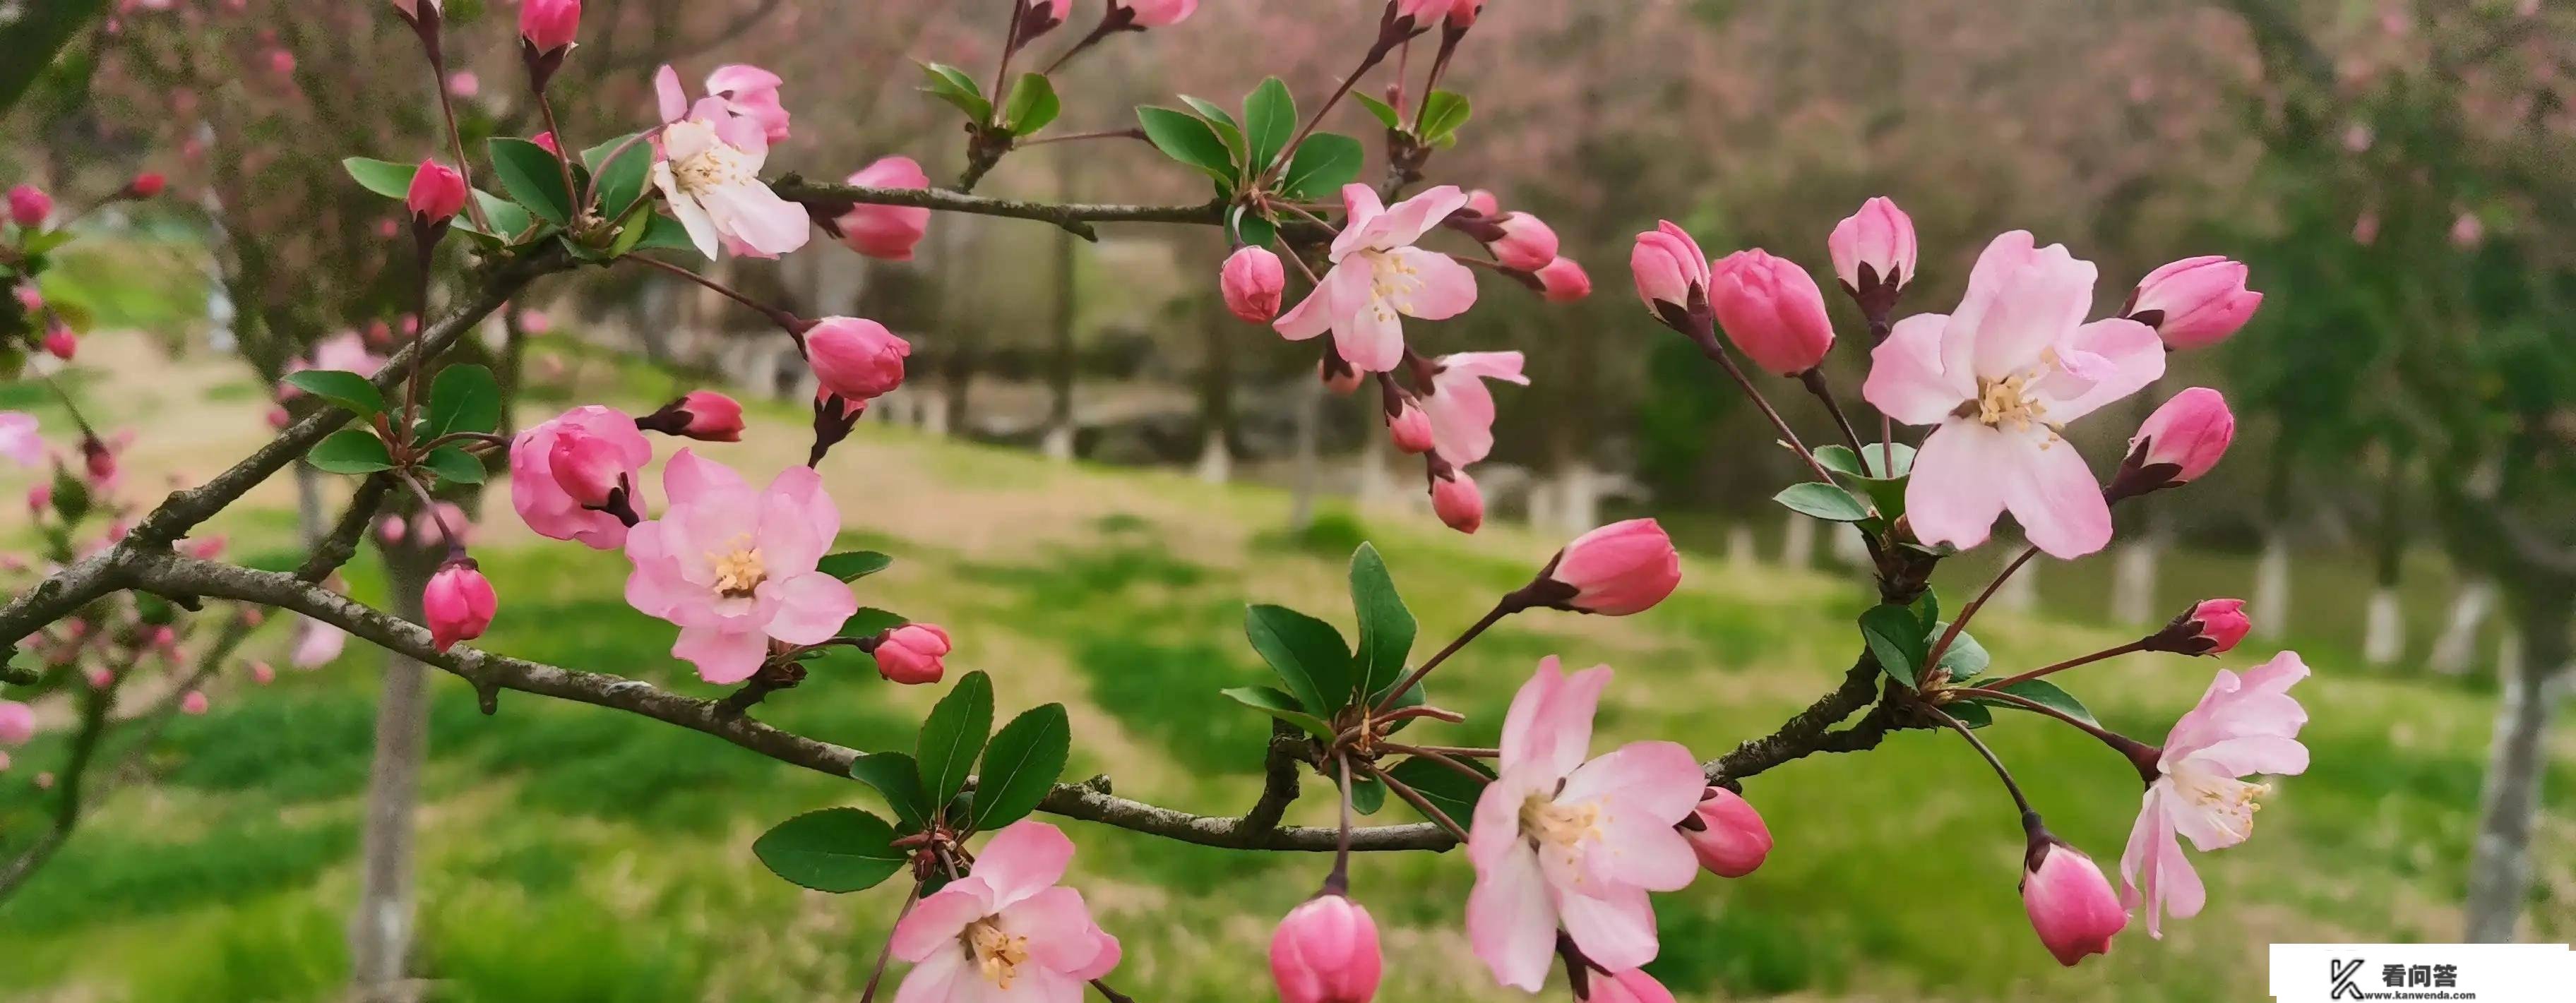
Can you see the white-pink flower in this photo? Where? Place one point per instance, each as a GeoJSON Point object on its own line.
{"type": "Point", "coordinates": [2000, 378]}
{"type": "Point", "coordinates": [346, 351]}
{"type": "Point", "coordinates": [2244, 725]}
{"type": "Point", "coordinates": [1461, 407]}
{"type": "Point", "coordinates": [734, 567]}
{"type": "Point", "coordinates": [1007, 933]}
{"type": "Point", "coordinates": [316, 643]}
{"type": "Point", "coordinates": [1560, 842]}
{"type": "Point", "coordinates": [709, 170]}
{"type": "Point", "coordinates": [752, 93]}
{"type": "Point", "coordinates": [1379, 276]}
{"type": "Point", "coordinates": [18, 439]}
{"type": "Point", "coordinates": [593, 438]}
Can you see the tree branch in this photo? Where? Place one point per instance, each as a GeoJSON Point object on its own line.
{"type": "Point", "coordinates": [1075, 218]}
{"type": "Point", "coordinates": [1805, 732]}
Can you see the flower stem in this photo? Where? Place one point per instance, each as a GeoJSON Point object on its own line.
{"type": "Point", "coordinates": [2140, 754]}
{"type": "Point", "coordinates": [1509, 605]}
{"type": "Point", "coordinates": [1969, 611]}
{"type": "Point", "coordinates": [1376, 54]}
{"type": "Point", "coordinates": [455, 543]}
{"type": "Point", "coordinates": [2112, 652]}
{"type": "Point", "coordinates": [780, 317]}
{"type": "Point", "coordinates": [1415, 798]}
{"type": "Point", "coordinates": [1437, 758]}
{"type": "Point", "coordinates": [876, 976]}
{"type": "Point", "coordinates": [1814, 381]}
{"type": "Point", "coordinates": [1339, 879]}
{"type": "Point", "coordinates": [1071, 137]}
{"type": "Point", "coordinates": [563, 155]}
{"type": "Point", "coordinates": [1704, 333]}
{"type": "Point", "coordinates": [2000, 772]}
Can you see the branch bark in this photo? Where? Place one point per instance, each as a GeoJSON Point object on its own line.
{"type": "Point", "coordinates": [1075, 218]}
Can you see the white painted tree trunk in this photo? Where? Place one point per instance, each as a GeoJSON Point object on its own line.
{"type": "Point", "coordinates": [382, 929]}
{"type": "Point", "coordinates": [308, 505]}
{"type": "Point", "coordinates": [1798, 547]}
{"type": "Point", "coordinates": [1851, 547]}
{"type": "Point", "coordinates": [2133, 580]}
{"type": "Point", "coordinates": [1216, 464]}
{"type": "Point", "coordinates": [1310, 472]}
{"type": "Point", "coordinates": [934, 412]}
{"type": "Point", "coordinates": [2383, 632]}
{"type": "Point", "coordinates": [2458, 645]}
{"type": "Point", "coordinates": [1740, 550]}
{"type": "Point", "coordinates": [1058, 443]}
{"type": "Point", "coordinates": [2500, 866]}
{"type": "Point", "coordinates": [1375, 486]}
{"type": "Point", "coordinates": [2272, 588]}
{"type": "Point", "coordinates": [1578, 500]}
{"type": "Point", "coordinates": [2020, 593]}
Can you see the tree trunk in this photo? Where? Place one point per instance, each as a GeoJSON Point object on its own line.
{"type": "Point", "coordinates": [309, 525]}
{"type": "Point", "coordinates": [2272, 586]}
{"type": "Point", "coordinates": [1798, 544]}
{"type": "Point", "coordinates": [2020, 593]}
{"type": "Point", "coordinates": [1216, 398]}
{"type": "Point", "coordinates": [1740, 549]}
{"type": "Point", "coordinates": [2458, 646]}
{"type": "Point", "coordinates": [2383, 632]}
{"type": "Point", "coordinates": [1310, 473]}
{"type": "Point", "coordinates": [1851, 546]}
{"type": "Point", "coordinates": [2383, 635]}
{"type": "Point", "coordinates": [2133, 579]}
{"type": "Point", "coordinates": [381, 931]}
{"type": "Point", "coordinates": [2500, 867]}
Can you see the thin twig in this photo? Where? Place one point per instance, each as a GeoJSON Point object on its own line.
{"type": "Point", "coordinates": [1969, 611]}
{"type": "Point", "coordinates": [1493, 616]}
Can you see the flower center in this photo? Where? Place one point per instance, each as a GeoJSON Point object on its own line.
{"type": "Point", "coordinates": [1392, 281]}
{"type": "Point", "coordinates": [2228, 802]}
{"type": "Point", "coordinates": [1543, 821]}
{"type": "Point", "coordinates": [998, 955]}
{"type": "Point", "coordinates": [716, 166]}
{"type": "Point", "coordinates": [738, 571]}
{"type": "Point", "coordinates": [2008, 402]}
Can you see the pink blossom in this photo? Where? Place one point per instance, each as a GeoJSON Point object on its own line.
{"type": "Point", "coordinates": [709, 171]}
{"type": "Point", "coordinates": [458, 603]}
{"type": "Point", "coordinates": [1337, 375]}
{"type": "Point", "coordinates": [1527, 243]}
{"type": "Point", "coordinates": [855, 357]}
{"type": "Point", "coordinates": [734, 567]}
{"type": "Point", "coordinates": [2209, 627]}
{"type": "Point", "coordinates": [752, 93]}
{"type": "Point", "coordinates": [316, 643]}
{"type": "Point", "coordinates": [2243, 725]}
{"type": "Point", "coordinates": [1731, 840]}
{"type": "Point", "coordinates": [1671, 272]}
{"type": "Point", "coordinates": [546, 141]}
{"type": "Point", "coordinates": [547, 25]}
{"type": "Point", "coordinates": [344, 351]}
{"type": "Point", "coordinates": [1631, 986]}
{"type": "Point", "coordinates": [262, 673]}
{"type": "Point", "coordinates": [1156, 13]}
{"type": "Point", "coordinates": [1007, 933]}
{"type": "Point", "coordinates": [704, 415]}
{"type": "Point", "coordinates": [886, 231]}
{"type": "Point", "coordinates": [1409, 428]}
{"type": "Point", "coordinates": [1563, 281]}
{"type": "Point", "coordinates": [29, 206]}
{"type": "Point", "coordinates": [144, 185]}
{"type": "Point", "coordinates": [60, 342]}
{"type": "Point", "coordinates": [1378, 276]}
{"type": "Point", "coordinates": [194, 704]}
{"type": "Point", "coordinates": [18, 439]}
{"type": "Point", "coordinates": [1326, 951]}
{"type": "Point", "coordinates": [17, 723]}
{"type": "Point", "coordinates": [2194, 302]}
{"type": "Point", "coordinates": [1999, 378]}
{"type": "Point", "coordinates": [1561, 842]}
{"type": "Point", "coordinates": [1772, 311]}
{"type": "Point", "coordinates": [1252, 282]}
{"type": "Point", "coordinates": [2182, 440]}
{"type": "Point", "coordinates": [1483, 203]}
{"type": "Point", "coordinates": [437, 193]}
{"type": "Point", "coordinates": [464, 84]}
{"type": "Point", "coordinates": [205, 548]}
{"type": "Point", "coordinates": [2070, 903]}
{"type": "Point", "coordinates": [542, 500]}
{"type": "Point", "coordinates": [1456, 501]}
{"type": "Point", "coordinates": [1462, 13]}
{"type": "Point", "coordinates": [911, 654]}
{"type": "Point", "coordinates": [1878, 238]}
{"type": "Point", "coordinates": [1461, 407]}
{"type": "Point", "coordinates": [281, 62]}
{"type": "Point", "coordinates": [1618, 569]}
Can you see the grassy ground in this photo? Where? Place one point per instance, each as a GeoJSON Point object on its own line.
{"type": "Point", "coordinates": [571, 853]}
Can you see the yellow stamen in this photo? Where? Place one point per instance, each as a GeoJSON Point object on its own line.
{"type": "Point", "coordinates": [738, 571]}
{"type": "Point", "coordinates": [996, 954]}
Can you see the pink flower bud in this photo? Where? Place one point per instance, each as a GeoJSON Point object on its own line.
{"type": "Point", "coordinates": [459, 603]}
{"type": "Point", "coordinates": [704, 415]}
{"type": "Point", "coordinates": [45, 780]}
{"type": "Point", "coordinates": [194, 704]}
{"type": "Point", "coordinates": [61, 343]}
{"type": "Point", "coordinates": [1631, 986]}
{"type": "Point", "coordinates": [1527, 243]}
{"type": "Point", "coordinates": [278, 418]}
{"type": "Point", "coordinates": [96, 459]}
{"type": "Point", "coordinates": [586, 466]}
{"type": "Point", "coordinates": [1410, 428]}
{"type": "Point", "coordinates": [1422, 12]}
{"type": "Point", "coordinates": [144, 185]}
{"type": "Point", "coordinates": [1456, 501]}
{"type": "Point", "coordinates": [1483, 203]}
{"type": "Point", "coordinates": [40, 498]}
{"type": "Point", "coordinates": [30, 298]}
{"type": "Point", "coordinates": [203, 548]}
{"type": "Point", "coordinates": [29, 206]}
{"type": "Point", "coordinates": [1563, 281]}
{"type": "Point", "coordinates": [911, 654]}
{"type": "Point", "coordinates": [100, 679]}
{"type": "Point", "coordinates": [2194, 302]}
{"type": "Point", "coordinates": [2209, 627]}
{"type": "Point", "coordinates": [1873, 248]}
{"type": "Point", "coordinates": [262, 673]}
{"type": "Point", "coordinates": [2187, 434]}
{"type": "Point", "coordinates": [1772, 310]}
{"type": "Point", "coordinates": [1669, 268]}
{"type": "Point", "coordinates": [1731, 840]}
{"type": "Point", "coordinates": [547, 25]}
{"type": "Point", "coordinates": [251, 616]}
{"type": "Point", "coordinates": [887, 232]}
{"type": "Point", "coordinates": [2071, 904]}
{"type": "Point", "coordinates": [1337, 374]}
{"type": "Point", "coordinates": [437, 193]}
{"type": "Point", "coordinates": [1462, 13]}
{"type": "Point", "coordinates": [1157, 13]}
{"type": "Point", "coordinates": [281, 62]}
{"type": "Point", "coordinates": [1253, 283]}
{"type": "Point", "coordinates": [1326, 951]}
{"type": "Point", "coordinates": [546, 141]}
{"type": "Point", "coordinates": [856, 358]}
{"type": "Point", "coordinates": [1618, 569]}
{"type": "Point", "coordinates": [464, 84]}
{"type": "Point", "coordinates": [17, 723]}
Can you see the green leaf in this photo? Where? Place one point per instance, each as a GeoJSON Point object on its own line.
{"type": "Point", "coordinates": [662, 233]}
{"type": "Point", "coordinates": [1279, 705]}
{"type": "Point", "coordinates": [1223, 122]}
{"type": "Point", "coordinates": [1895, 639]}
{"type": "Point", "coordinates": [1269, 121]}
{"type": "Point", "coordinates": [1367, 795]}
{"type": "Point", "coordinates": [349, 390]}
{"type": "Point", "coordinates": [1185, 138]}
{"type": "Point", "coordinates": [1452, 792]}
{"type": "Point", "coordinates": [383, 177]}
{"type": "Point", "coordinates": [1385, 112]}
{"type": "Point", "coordinates": [833, 850]}
{"type": "Point", "coordinates": [1021, 766]}
{"type": "Point", "coordinates": [2048, 694]}
{"type": "Point", "coordinates": [1251, 227]}
{"type": "Point", "coordinates": [1032, 105]}
{"type": "Point", "coordinates": [953, 735]}
{"type": "Point", "coordinates": [1969, 713]}
{"type": "Point", "coordinates": [1877, 459]}
{"type": "Point", "coordinates": [1927, 610]}
{"type": "Point", "coordinates": [631, 228]}
{"type": "Point", "coordinates": [870, 621]}
{"type": "Point", "coordinates": [1324, 163]}
{"type": "Point", "coordinates": [533, 178]}
{"type": "Point", "coordinates": [898, 778]}
{"type": "Point", "coordinates": [464, 398]}
{"type": "Point", "coordinates": [950, 84]}
{"type": "Point", "coordinates": [1441, 118]}
{"type": "Point", "coordinates": [1840, 460]}
{"type": "Point", "coordinates": [1964, 658]}
{"type": "Point", "coordinates": [1823, 501]}
{"type": "Point", "coordinates": [1307, 653]}
{"type": "Point", "coordinates": [71, 495]}
{"type": "Point", "coordinates": [621, 182]}
{"type": "Point", "coordinates": [852, 565]}
{"type": "Point", "coordinates": [350, 451]}
{"type": "Point", "coordinates": [1386, 627]}
{"type": "Point", "coordinates": [509, 222]}
{"type": "Point", "coordinates": [454, 465]}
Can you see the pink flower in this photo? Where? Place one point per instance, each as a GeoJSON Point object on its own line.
{"type": "Point", "coordinates": [2194, 302]}
{"type": "Point", "coordinates": [546, 141]}
{"type": "Point", "coordinates": [1461, 407]}
{"type": "Point", "coordinates": [1462, 13]}
{"type": "Point", "coordinates": [1631, 986]}
{"type": "Point", "coordinates": [1378, 275]}
{"type": "Point", "coordinates": [281, 62]}
{"type": "Point", "coordinates": [603, 434]}
{"type": "Point", "coordinates": [464, 84]}
{"type": "Point", "coordinates": [144, 185]}
{"type": "Point", "coordinates": [2243, 725]}
{"type": "Point", "coordinates": [428, 529]}
{"type": "Point", "coordinates": [1007, 933]}
{"type": "Point", "coordinates": [205, 548]}
{"type": "Point", "coordinates": [1772, 310]}
{"type": "Point", "coordinates": [1483, 203]}
{"type": "Point", "coordinates": [1563, 281]}
{"type": "Point", "coordinates": [261, 673]}
{"type": "Point", "coordinates": [1456, 501]}
{"type": "Point", "coordinates": [547, 25]}
{"type": "Point", "coordinates": [1618, 569]}
{"type": "Point", "coordinates": [316, 643]}
{"type": "Point", "coordinates": [752, 93]}
{"type": "Point", "coordinates": [910, 654]}
{"type": "Point", "coordinates": [1999, 378]}
{"type": "Point", "coordinates": [1671, 272]}
{"type": "Point", "coordinates": [2209, 627]}
{"type": "Point", "coordinates": [1156, 13]}
{"type": "Point", "coordinates": [2070, 903]}
{"type": "Point", "coordinates": [886, 231]}
{"type": "Point", "coordinates": [60, 342]}
{"type": "Point", "coordinates": [344, 351]}
{"type": "Point", "coordinates": [30, 298]}
{"type": "Point", "coordinates": [458, 603]}
{"type": "Point", "coordinates": [437, 193]}
{"type": "Point", "coordinates": [17, 723]}
{"type": "Point", "coordinates": [1527, 244]}
{"type": "Point", "coordinates": [29, 206]}
{"type": "Point", "coordinates": [1253, 284]}
{"type": "Point", "coordinates": [856, 358]}
{"type": "Point", "coordinates": [710, 173]}
{"type": "Point", "coordinates": [1731, 840]}
{"type": "Point", "coordinates": [2182, 440]}
{"type": "Point", "coordinates": [704, 415]}
{"type": "Point", "coordinates": [18, 439]}
{"type": "Point", "coordinates": [1409, 428]}
{"type": "Point", "coordinates": [734, 567]}
{"type": "Point", "coordinates": [1337, 375]}
{"type": "Point", "coordinates": [1873, 247]}
{"type": "Point", "coordinates": [1422, 12]}
{"type": "Point", "coordinates": [1326, 951]}
{"type": "Point", "coordinates": [1558, 841]}
{"type": "Point", "coordinates": [194, 704]}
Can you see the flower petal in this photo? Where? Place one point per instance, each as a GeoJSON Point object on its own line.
{"type": "Point", "coordinates": [810, 608]}
{"type": "Point", "coordinates": [1022, 860]}
{"type": "Point", "coordinates": [1954, 494]}
{"type": "Point", "coordinates": [2051, 493]}
{"type": "Point", "coordinates": [1906, 380]}
{"type": "Point", "coordinates": [722, 656]}
{"type": "Point", "coordinates": [1058, 926]}
{"type": "Point", "coordinates": [933, 925]}
{"type": "Point", "coordinates": [1510, 923]}
{"type": "Point", "coordinates": [1616, 929]}
{"type": "Point", "coordinates": [2126, 356]}
{"type": "Point", "coordinates": [1549, 726]}
{"type": "Point", "coordinates": [941, 976]}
